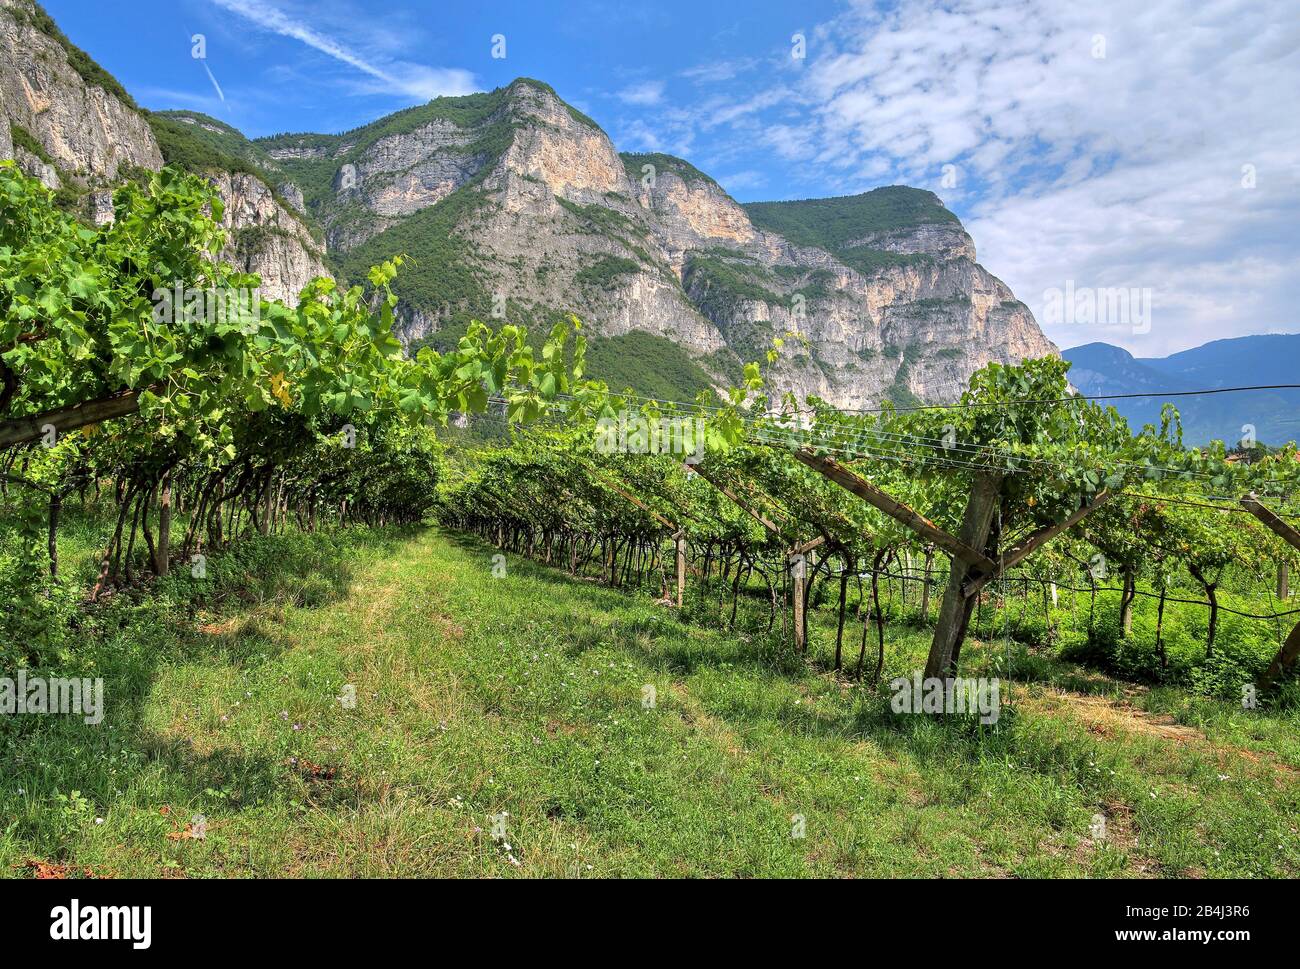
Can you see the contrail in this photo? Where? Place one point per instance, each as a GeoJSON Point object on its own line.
{"type": "Point", "coordinates": [213, 79]}
{"type": "Point", "coordinates": [270, 18]}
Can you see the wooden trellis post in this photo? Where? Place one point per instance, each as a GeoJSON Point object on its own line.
{"type": "Point", "coordinates": [972, 566]}
{"type": "Point", "coordinates": [795, 559]}
{"type": "Point", "coordinates": [1286, 658]}
{"type": "Point", "coordinates": [798, 578]}
{"type": "Point", "coordinates": [679, 545]}
{"type": "Point", "coordinates": [799, 582]}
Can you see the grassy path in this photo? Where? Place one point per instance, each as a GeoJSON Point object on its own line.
{"type": "Point", "coordinates": [478, 695]}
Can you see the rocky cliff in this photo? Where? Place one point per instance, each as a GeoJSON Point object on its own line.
{"type": "Point", "coordinates": [70, 124]}
{"type": "Point", "coordinates": [266, 238]}
{"type": "Point", "coordinates": [85, 130]}
{"type": "Point", "coordinates": [517, 206]}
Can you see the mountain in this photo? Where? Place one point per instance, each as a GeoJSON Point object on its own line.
{"type": "Point", "coordinates": [69, 123]}
{"type": "Point", "coordinates": [516, 206]}
{"type": "Point", "coordinates": [1099, 368]}
{"type": "Point", "coordinates": [514, 201]}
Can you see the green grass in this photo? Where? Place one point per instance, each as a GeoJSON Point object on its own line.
{"type": "Point", "coordinates": [522, 694]}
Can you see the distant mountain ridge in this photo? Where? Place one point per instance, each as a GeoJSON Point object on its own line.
{"type": "Point", "coordinates": [1100, 368]}
{"type": "Point", "coordinates": [516, 206]}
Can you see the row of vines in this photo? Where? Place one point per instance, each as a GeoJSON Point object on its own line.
{"type": "Point", "coordinates": [1021, 487]}
{"type": "Point", "coordinates": [204, 425]}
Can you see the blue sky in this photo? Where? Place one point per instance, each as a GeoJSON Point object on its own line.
{"type": "Point", "coordinates": [1151, 148]}
{"type": "Point", "coordinates": [621, 62]}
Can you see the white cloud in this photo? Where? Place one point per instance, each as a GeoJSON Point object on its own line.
{"type": "Point", "coordinates": [386, 75]}
{"type": "Point", "coordinates": [639, 136]}
{"type": "Point", "coordinates": [646, 93]}
{"type": "Point", "coordinates": [1115, 170]}
{"type": "Point", "coordinates": [742, 181]}
{"type": "Point", "coordinates": [1122, 170]}
{"type": "Point", "coordinates": [717, 71]}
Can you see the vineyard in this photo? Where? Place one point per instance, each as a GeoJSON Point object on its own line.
{"type": "Point", "coordinates": [162, 452]}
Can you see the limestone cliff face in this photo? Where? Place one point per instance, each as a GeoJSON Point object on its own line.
{"type": "Point", "coordinates": [946, 240]}
{"type": "Point", "coordinates": [86, 130]}
{"type": "Point", "coordinates": [266, 239]}
{"type": "Point", "coordinates": [90, 138]}
{"type": "Point", "coordinates": [551, 219]}
{"type": "Point", "coordinates": [572, 158]}
{"type": "Point", "coordinates": [692, 213]}
{"type": "Point", "coordinates": [909, 331]}
{"type": "Point", "coordinates": [6, 138]}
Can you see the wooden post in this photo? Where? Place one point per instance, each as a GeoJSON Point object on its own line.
{"type": "Point", "coordinates": [1283, 580]}
{"type": "Point", "coordinates": [955, 610]}
{"type": "Point", "coordinates": [56, 509]}
{"type": "Point", "coordinates": [925, 584]}
{"type": "Point", "coordinates": [1285, 660]}
{"type": "Point", "coordinates": [264, 526]}
{"type": "Point", "coordinates": [679, 544]}
{"type": "Point", "coordinates": [1014, 556]}
{"type": "Point", "coordinates": [24, 430]}
{"type": "Point", "coordinates": [162, 553]}
{"type": "Point", "coordinates": [798, 573]}
{"type": "Point", "coordinates": [853, 483]}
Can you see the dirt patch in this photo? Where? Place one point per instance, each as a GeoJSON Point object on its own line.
{"type": "Point", "coordinates": [43, 870]}
{"type": "Point", "coordinates": [1105, 717]}
{"type": "Point", "coordinates": [1267, 760]}
{"type": "Point", "coordinates": [1114, 826]}
{"type": "Point", "coordinates": [226, 628]}
{"type": "Point", "coordinates": [313, 772]}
